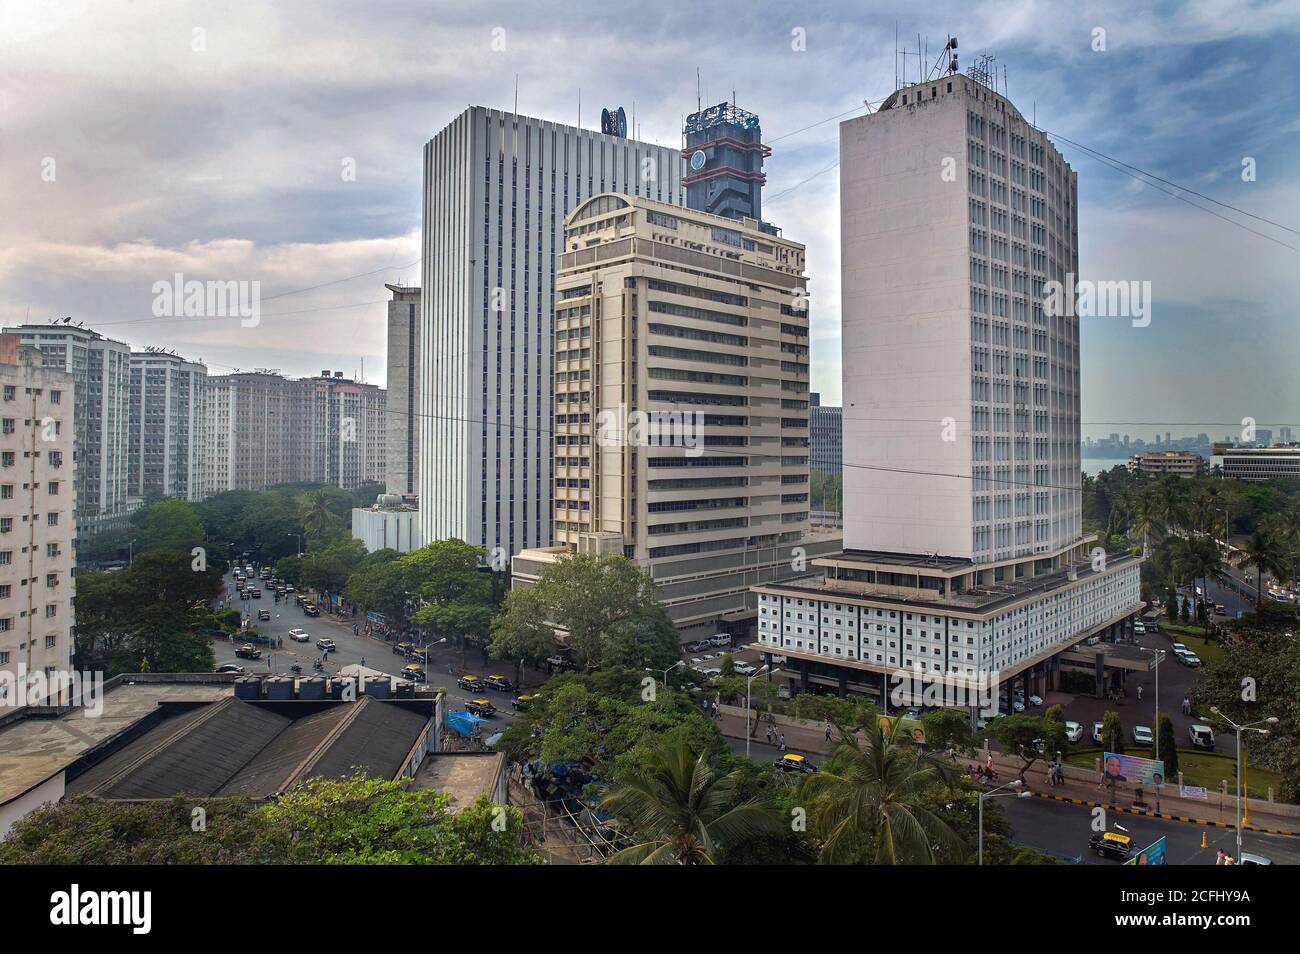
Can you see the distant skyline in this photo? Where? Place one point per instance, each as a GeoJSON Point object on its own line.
{"type": "Point", "coordinates": [218, 154]}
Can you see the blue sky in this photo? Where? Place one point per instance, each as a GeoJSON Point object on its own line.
{"type": "Point", "coordinates": [224, 161]}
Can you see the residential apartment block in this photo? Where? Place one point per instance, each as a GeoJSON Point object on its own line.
{"type": "Point", "coordinates": [37, 514]}
{"type": "Point", "coordinates": [1177, 463]}
{"type": "Point", "coordinates": [168, 426]}
{"type": "Point", "coordinates": [101, 370]}
{"type": "Point", "coordinates": [402, 459]}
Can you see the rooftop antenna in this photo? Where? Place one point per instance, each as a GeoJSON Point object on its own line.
{"type": "Point", "coordinates": [516, 94]}
{"type": "Point", "coordinates": [579, 107]}
{"type": "Point", "coordinates": [699, 105]}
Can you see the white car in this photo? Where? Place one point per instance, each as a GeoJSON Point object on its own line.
{"type": "Point", "coordinates": [711, 672]}
{"type": "Point", "coordinates": [1179, 649]}
{"type": "Point", "coordinates": [299, 636]}
{"type": "Point", "coordinates": [1035, 700]}
{"type": "Point", "coordinates": [1190, 658]}
{"type": "Point", "coordinates": [1073, 731]}
{"type": "Point", "coordinates": [744, 669]}
{"type": "Point", "coordinates": [696, 661]}
{"type": "Point", "coordinates": [1096, 732]}
{"type": "Point", "coordinates": [1142, 735]}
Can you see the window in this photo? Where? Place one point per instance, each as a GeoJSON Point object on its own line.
{"type": "Point", "coordinates": [51, 519]}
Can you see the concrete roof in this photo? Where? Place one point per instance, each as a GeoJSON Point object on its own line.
{"type": "Point", "coordinates": [33, 749]}
{"type": "Point", "coordinates": [462, 775]}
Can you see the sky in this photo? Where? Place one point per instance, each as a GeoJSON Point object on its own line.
{"type": "Point", "coordinates": [143, 139]}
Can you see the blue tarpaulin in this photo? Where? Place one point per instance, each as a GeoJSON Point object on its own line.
{"type": "Point", "coordinates": [462, 723]}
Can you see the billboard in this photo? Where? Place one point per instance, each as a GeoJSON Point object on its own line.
{"type": "Point", "coordinates": [1151, 855]}
{"type": "Point", "coordinates": [1149, 773]}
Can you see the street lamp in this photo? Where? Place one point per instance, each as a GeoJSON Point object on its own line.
{"type": "Point", "coordinates": [1157, 657]}
{"type": "Point", "coordinates": [680, 662]}
{"type": "Point", "coordinates": [749, 686]}
{"type": "Point", "coordinates": [297, 536]}
{"type": "Point", "coordinates": [1250, 726]}
{"type": "Point", "coordinates": [1014, 783]}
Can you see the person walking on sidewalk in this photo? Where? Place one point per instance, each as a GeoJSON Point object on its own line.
{"type": "Point", "coordinates": [781, 742]}
{"type": "Point", "coordinates": [1187, 706]}
{"type": "Point", "coordinates": [828, 730]}
{"type": "Point", "coordinates": [1139, 693]}
{"type": "Point", "coordinates": [769, 733]}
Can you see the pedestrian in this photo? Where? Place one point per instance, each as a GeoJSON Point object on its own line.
{"type": "Point", "coordinates": [1187, 706]}
{"type": "Point", "coordinates": [363, 662]}
{"type": "Point", "coordinates": [769, 734]}
{"type": "Point", "coordinates": [1139, 693]}
{"type": "Point", "coordinates": [781, 742]}
{"type": "Point", "coordinates": [828, 730]}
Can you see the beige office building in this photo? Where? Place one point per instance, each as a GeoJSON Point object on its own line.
{"type": "Point", "coordinates": [1159, 463]}
{"type": "Point", "coordinates": [681, 403]}
{"type": "Point", "coordinates": [37, 523]}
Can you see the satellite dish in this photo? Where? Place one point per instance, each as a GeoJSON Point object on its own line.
{"type": "Point", "coordinates": [605, 125]}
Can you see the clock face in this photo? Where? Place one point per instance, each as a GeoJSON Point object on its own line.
{"type": "Point", "coordinates": [697, 160]}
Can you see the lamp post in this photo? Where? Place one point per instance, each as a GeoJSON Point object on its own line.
{"type": "Point", "coordinates": [1014, 783]}
{"type": "Point", "coordinates": [1252, 727]}
{"type": "Point", "coordinates": [680, 662]}
{"type": "Point", "coordinates": [1157, 657]}
{"type": "Point", "coordinates": [749, 686]}
{"type": "Point", "coordinates": [298, 537]}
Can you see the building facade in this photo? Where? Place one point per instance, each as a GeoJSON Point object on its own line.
{"type": "Point", "coordinates": [37, 520]}
{"type": "Point", "coordinates": [964, 555]}
{"type": "Point", "coordinates": [1259, 463]}
{"type": "Point", "coordinates": [497, 188]}
{"type": "Point", "coordinates": [344, 429]}
{"type": "Point", "coordinates": [827, 432]}
{"type": "Point", "coordinates": [681, 400]}
{"type": "Point", "coordinates": [168, 426]}
{"type": "Point", "coordinates": [101, 371]}
{"type": "Point", "coordinates": [1176, 463]}
{"type": "Point", "coordinates": [402, 460]}
{"type": "Point", "coordinates": [724, 162]}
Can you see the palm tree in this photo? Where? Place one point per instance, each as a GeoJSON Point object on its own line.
{"type": "Point", "coordinates": [683, 813]}
{"type": "Point", "coordinates": [873, 793]}
{"type": "Point", "coordinates": [318, 519]}
{"type": "Point", "coordinates": [1264, 551]}
{"type": "Point", "coordinates": [1145, 520]}
{"type": "Point", "coordinates": [1197, 558]}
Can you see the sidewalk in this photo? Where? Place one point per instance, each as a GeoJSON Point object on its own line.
{"type": "Point", "coordinates": [1080, 787]}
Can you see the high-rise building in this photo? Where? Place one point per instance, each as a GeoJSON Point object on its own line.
{"type": "Point", "coordinates": [497, 187]}
{"type": "Point", "coordinates": [256, 431]}
{"type": "Point", "coordinates": [168, 424]}
{"type": "Point", "coordinates": [344, 431]}
{"type": "Point", "coordinates": [101, 371]}
{"type": "Point", "coordinates": [403, 407]}
{"type": "Point", "coordinates": [1284, 435]}
{"type": "Point", "coordinates": [964, 554]}
{"type": "Point", "coordinates": [827, 437]}
{"type": "Point", "coordinates": [681, 401]}
{"type": "Point", "coordinates": [37, 525]}
{"type": "Point", "coordinates": [724, 162]}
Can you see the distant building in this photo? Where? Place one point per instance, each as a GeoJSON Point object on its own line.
{"type": "Point", "coordinates": [402, 463]}
{"type": "Point", "coordinates": [827, 425]}
{"type": "Point", "coordinates": [724, 162]}
{"type": "Point", "coordinates": [1177, 463]}
{"type": "Point", "coordinates": [1284, 435]}
{"type": "Point", "coordinates": [392, 523]}
{"type": "Point", "coordinates": [345, 433]}
{"type": "Point", "coordinates": [168, 451]}
{"type": "Point", "coordinates": [1260, 463]}
{"type": "Point", "coordinates": [101, 373]}
{"type": "Point", "coordinates": [37, 525]}
{"type": "Point", "coordinates": [1263, 437]}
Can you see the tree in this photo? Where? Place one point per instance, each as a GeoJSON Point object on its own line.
{"type": "Point", "coordinates": [454, 590]}
{"type": "Point", "coordinates": [167, 524]}
{"type": "Point", "coordinates": [867, 802]}
{"type": "Point", "coordinates": [326, 570]}
{"type": "Point", "coordinates": [1021, 735]}
{"type": "Point", "coordinates": [683, 812]}
{"type": "Point", "coordinates": [1112, 732]}
{"type": "Point", "coordinates": [318, 520]}
{"type": "Point", "coordinates": [588, 598]}
{"type": "Point", "coordinates": [1168, 744]}
{"type": "Point", "coordinates": [1265, 552]}
{"type": "Point", "coordinates": [948, 727]}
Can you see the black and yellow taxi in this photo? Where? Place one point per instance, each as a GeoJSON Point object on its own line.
{"type": "Point", "coordinates": [790, 762]}
{"type": "Point", "coordinates": [248, 651]}
{"type": "Point", "coordinates": [499, 683]}
{"type": "Point", "coordinates": [402, 649]}
{"type": "Point", "coordinates": [522, 703]}
{"type": "Point", "coordinates": [413, 672]}
{"type": "Point", "coordinates": [471, 683]}
{"type": "Point", "coordinates": [480, 707]}
{"type": "Point", "coordinates": [1111, 844]}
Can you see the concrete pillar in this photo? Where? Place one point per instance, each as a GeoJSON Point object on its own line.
{"type": "Point", "coordinates": [844, 684]}
{"type": "Point", "coordinates": [1099, 675]}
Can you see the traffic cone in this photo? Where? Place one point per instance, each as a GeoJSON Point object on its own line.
{"type": "Point", "coordinates": [1204, 843]}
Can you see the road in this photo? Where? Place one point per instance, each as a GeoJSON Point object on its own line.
{"type": "Point", "coordinates": [1062, 828]}
{"type": "Point", "coordinates": [352, 650]}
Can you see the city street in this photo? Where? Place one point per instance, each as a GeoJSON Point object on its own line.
{"type": "Point", "coordinates": [1062, 828]}
{"type": "Point", "coordinates": [352, 650]}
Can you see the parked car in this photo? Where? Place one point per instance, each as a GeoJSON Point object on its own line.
{"type": "Point", "coordinates": [1179, 648]}
{"type": "Point", "coordinates": [230, 667]}
{"type": "Point", "coordinates": [1035, 700]}
{"type": "Point", "coordinates": [299, 635]}
{"type": "Point", "coordinates": [325, 644]}
{"type": "Point", "coordinates": [1096, 732]}
{"type": "Point", "coordinates": [794, 763]}
{"type": "Point", "coordinates": [310, 610]}
{"type": "Point", "coordinates": [1139, 629]}
{"type": "Point", "coordinates": [1188, 658]}
{"type": "Point", "coordinates": [248, 651]}
{"type": "Point", "coordinates": [744, 669]}
{"type": "Point", "coordinates": [1142, 735]}
{"type": "Point", "coordinates": [722, 639]}
{"type": "Point", "coordinates": [1202, 736]}
{"type": "Point", "coordinates": [413, 672]}
{"type": "Point", "coordinates": [499, 683]}
{"type": "Point", "coordinates": [1247, 858]}
{"type": "Point", "coordinates": [1073, 732]}
{"type": "Point", "coordinates": [696, 646]}
{"type": "Point", "coordinates": [481, 707]}
{"type": "Point", "coordinates": [711, 672]}
{"type": "Point", "coordinates": [471, 683]}
{"type": "Point", "coordinates": [264, 615]}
